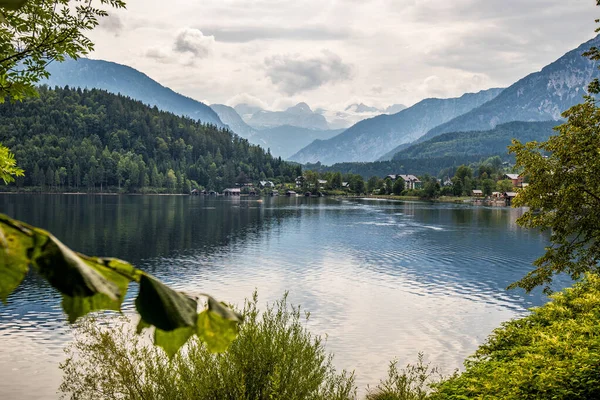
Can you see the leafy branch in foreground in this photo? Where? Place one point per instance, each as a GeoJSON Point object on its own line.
{"type": "Point", "coordinates": [563, 196]}
{"type": "Point", "coordinates": [91, 283]}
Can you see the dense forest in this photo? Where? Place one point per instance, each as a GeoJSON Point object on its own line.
{"type": "Point", "coordinates": [74, 139]}
{"type": "Point", "coordinates": [413, 166]}
{"type": "Point", "coordinates": [479, 143]}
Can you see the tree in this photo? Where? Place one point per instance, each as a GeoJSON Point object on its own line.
{"type": "Point", "coordinates": [504, 186]}
{"type": "Point", "coordinates": [563, 195]}
{"type": "Point", "coordinates": [33, 33]}
{"type": "Point", "coordinates": [398, 187]}
{"type": "Point", "coordinates": [372, 184]}
{"type": "Point", "coordinates": [39, 32]}
{"type": "Point", "coordinates": [487, 186]}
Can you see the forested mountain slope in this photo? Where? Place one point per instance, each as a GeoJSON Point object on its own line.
{"type": "Point", "coordinates": [116, 78]}
{"type": "Point", "coordinates": [73, 139]}
{"type": "Point", "coordinates": [541, 96]}
{"type": "Point", "coordinates": [479, 143]}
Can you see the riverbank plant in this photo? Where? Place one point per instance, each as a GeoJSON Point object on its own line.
{"type": "Point", "coordinates": [274, 357]}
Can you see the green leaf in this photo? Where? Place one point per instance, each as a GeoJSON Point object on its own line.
{"type": "Point", "coordinates": [172, 341]}
{"type": "Point", "coordinates": [163, 307]}
{"type": "Point", "coordinates": [78, 306]}
{"type": "Point", "coordinates": [141, 326]}
{"type": "Point", "coordinates": [14, 262]}
{"type": "Point", "coordinates": [68, 272]}
{"type": "Point", "coordinates": [218, 326]}
{"type": "Point", "coordinates": [12, 4]}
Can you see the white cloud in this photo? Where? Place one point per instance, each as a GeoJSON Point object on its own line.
{"type": "Point", "coordinates": [245, 98]}
{"type": "Point", "coordinates": [193, 41]}
{"type": "Point", "coordinates": [297, 73]}
{"type": "Point", "coordinates": [380, 51]}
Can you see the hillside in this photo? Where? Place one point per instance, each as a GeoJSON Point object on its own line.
{"type": "Point", "coordinates": [540, 96]}
{"type": "Point", "coordinates": [370, 139]}
{"type": "Point", "coordinates": [121, 79]}
{"type": "Point", "coordinates": [71, 139]}
{"type": "Point", "coordinates": [232, 119]}
{"type": "Point", "coordinates": [478, 143]}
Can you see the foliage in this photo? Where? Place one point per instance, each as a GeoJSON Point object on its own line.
{"type": "Point", "coordinates": [411, 383]}
{"type": "Point", "coordinates": [89, 139]}
{"type": "Point", "coordinates": [273, 357]}
{"type": "Point", "coordinates": [8, 166]}
{"type": "Point", "coordinates": [564, 196]}
{"type": "Point", "coordinates": [90, 283]}
{"type": "Point", "coordinates": [479, 143]}
{"type": "Point", "coordinates": [38, 32]}
{"type": "Point", "coordinates": [554, 353]}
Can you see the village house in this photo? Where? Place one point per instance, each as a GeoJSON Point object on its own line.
{"type": "Point", "coordinates": [322, 183]}
{"type": "Point", "coordinates": [232, 192]}
{"type": "Point", "coordinates": [266, 184]}
{"type": "Point", "coordinates": [517, 180]}
{"type": "Point", "coordinates": [300, 181]}
{"type": "Point", "coordinates": [477, 193]}
{"type": "Point", "coordinates": [410, 181]}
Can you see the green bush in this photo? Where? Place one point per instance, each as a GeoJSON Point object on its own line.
{"type": "Point", "coordinates": [412, 383]}
{"type": "Point", "coordinates": [554, 353]}
{"type": "Point", "coordinates": [274, 357]}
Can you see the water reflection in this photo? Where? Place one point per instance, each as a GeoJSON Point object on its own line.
{"type": "Point", "coordinates": [382, 279]}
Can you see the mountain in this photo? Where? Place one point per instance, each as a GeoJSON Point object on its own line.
{"type": "Point", "coordinates": [479, 143]}
{"type": "Point", "coordinates": [362, 108]}
{"type": "Point", "coordinates": [540, 96]}
{"type": "Point", "coordinates": [71, 139]}
{"type": "Point", "coordinates": [283, 141]}
{"type": "Point", "coordinates": [246, 110]}
{"type": "Point", "coordinates": [121, 79]}
{"type": "Point", "coordinates": [370, 139]}
{"type": "Point", "coordinates": [395, 108]}
{"type": "Point", "coordinates": [233, 120]}
{"type": "Point", "coordinates": [299, 115]}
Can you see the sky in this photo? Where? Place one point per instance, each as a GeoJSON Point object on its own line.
{"type": "Point", "coordinates": [332, 53]}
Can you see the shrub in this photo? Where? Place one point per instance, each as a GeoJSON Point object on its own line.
{"type": "Point", "coordinates": [274, 357]}
{"type": "Point", "coordinates": [554, 353]}
{"type": "Point", "coordinates": [412, 383]}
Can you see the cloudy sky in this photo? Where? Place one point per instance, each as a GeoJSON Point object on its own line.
{"type": "Point", "coordinates": [331, 53]}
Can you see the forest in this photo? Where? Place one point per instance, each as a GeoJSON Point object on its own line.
{"type": "Point", "coordinates": [90, 140]}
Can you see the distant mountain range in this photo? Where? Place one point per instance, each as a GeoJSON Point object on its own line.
{"type": "Point", "coordinates": [370, 139]}
{"type": "Point", "coordinates": [299, 115]}
{"type": "Point", "coordinates": [117, 78]}
{"type": "Point", "coordinates": [540, 96]}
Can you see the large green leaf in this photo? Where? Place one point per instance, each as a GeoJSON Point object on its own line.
{"type": "Point", "coordinates": [68, 272]}
{"type": "Point", "coordinates": [78, 306]}
{"type": "Point", "coordinates": [14, 262]}
{"type": "Point", "coordinates": [163, 307]}
{"type": "Point", "coordinates": [217, 326]}
{"type": "Point", "coordinates": [172, 341]}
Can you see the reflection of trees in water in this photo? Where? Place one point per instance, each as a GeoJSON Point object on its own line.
{"type": "Point", "coordinates": [140, 227]}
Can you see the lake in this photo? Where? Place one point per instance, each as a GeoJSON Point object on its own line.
{"type": "Point", "coordinates": [381, 279]}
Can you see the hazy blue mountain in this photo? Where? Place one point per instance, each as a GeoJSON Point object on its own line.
{"type": "Point", "coordinates": [246, 110]}
{"type": "Point", "coordinates": [478, 143]}
{"type": "Point", "coordinates": [287, 140]}
{"type": "Point", "coordinates": [540, 96]}
{"type": "Point", "coordinates": [233, 120]}
{"type": "Point", "coordinates": [362, 108]}
{"type": "Point", "coordinates": [395, 108]}
{"type": "Point", "coordinates": [117, 78]}
{"type": "Point", "coordinates": [299, 115]}
{"type": "Point", "coordinates": [370, 139]}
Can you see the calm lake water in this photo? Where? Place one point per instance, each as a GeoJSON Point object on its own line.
{"type": "Point", "coordinates": [382, 279]}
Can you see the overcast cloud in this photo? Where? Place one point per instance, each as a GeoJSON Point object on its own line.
{"type": "Point", "coordinates": [333, 52]}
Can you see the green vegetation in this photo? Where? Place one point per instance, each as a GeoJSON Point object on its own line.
{"type": "Point", "coordinates": [274, 357]}
{"type": "Point", "coordinates": [554, 353]}
{"type": "Point", "coordinates": [72, 140]}
{"type": "Point", "coordinates": [479, 143]}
